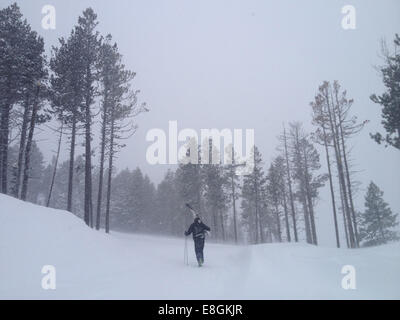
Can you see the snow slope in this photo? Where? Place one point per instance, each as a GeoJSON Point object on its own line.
{"type": "Point", "coordinates": [93, 265]}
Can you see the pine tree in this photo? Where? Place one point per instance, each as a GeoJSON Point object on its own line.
{"type": "Point", "coordinates": [107, 68]}
{"type": "Point", "coordinates": [253, 192]}
{"type": "Point", "coordinates": [118, 107]}
{"type": "Point", "coordinates": [277, 197]}
{"type": "Point", "coordinates": [167, 206]}
{"type": "Point", "coordinates": [378, 220]}
{"type": "Point", "coordinates": [122, 208]}
{"type": "Point", "coordinates": [89, 43]}
{"type": "Point", "coordinates": [322, 137]}
{"type": "Point", "coordinates": [305, 162]}
{"type": "Point", "coordinates": [234, 187]}
{"type": "Point", "coordinates": [149, 215]}
{"type": "Point", "coordinates": [35, 119]}
{"type": "Point", "coordinates": [36, 171]}
{"type": "Point", "coordinates": [122, 108]}
{"type": "Point", "coordinates": [215, 192]}
{"type": "Point", "coordinates": [189, 183]}
{"type": "Point", "coordinates": [390, 100]}
{"type": "Point", "coordinates": [340, 126]}
{"type": "Point", "coordinates": [67, 96]}
{"type": "Point", "coordinates": [283, 148]}
{"type": "Point", "coordinates": [21, 70]}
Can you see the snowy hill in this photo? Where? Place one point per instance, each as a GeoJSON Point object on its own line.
{"type": "Point", "coordinates": [93, 265]}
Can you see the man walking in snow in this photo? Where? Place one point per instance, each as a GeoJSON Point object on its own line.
{"type": "Point", "coordinates": [198, 229]}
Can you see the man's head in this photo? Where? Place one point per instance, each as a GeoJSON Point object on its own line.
{"type": "Point", "coordinates": [197, 220]}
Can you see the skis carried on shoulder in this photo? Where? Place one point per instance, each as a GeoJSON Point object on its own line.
{"type": "Point", "coordinates": [195, 215]}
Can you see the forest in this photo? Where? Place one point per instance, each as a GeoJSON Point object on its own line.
{"type": "Point", "coordinates": [85, 81]}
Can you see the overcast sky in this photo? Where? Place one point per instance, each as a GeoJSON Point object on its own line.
{"type": "Point", "coordinates": [244, 64]}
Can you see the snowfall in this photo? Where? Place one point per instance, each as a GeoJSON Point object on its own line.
{"type": "Point", "coordinates": [89, 264]}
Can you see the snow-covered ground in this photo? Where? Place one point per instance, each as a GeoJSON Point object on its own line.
{"type": "Point", "coordinates": [93, 265]}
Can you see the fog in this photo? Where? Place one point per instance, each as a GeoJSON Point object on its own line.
{"type": "Point", "coordinates": [244, 64]}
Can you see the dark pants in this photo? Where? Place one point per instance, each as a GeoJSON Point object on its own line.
{"type": "Point", "coordinates": [198, 248]}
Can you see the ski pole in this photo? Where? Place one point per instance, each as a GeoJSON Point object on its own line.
{"type": "Point", "coordinates": [185, 253]}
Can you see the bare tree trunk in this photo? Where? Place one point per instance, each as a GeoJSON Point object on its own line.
{"type": "Point", "coordinates": [340, 171]}
{"type": "Point", "coordinates": [345, 197]}
{"type": "Point", "coordinates": [24, 129]}
{"type": "Point", "coordinates": [381, 227]}
{"type": "Point", "coordinates": [306, 219]}
{"type": "Point", "coordinates": [332, 190]}
{"type": "Point", "coordinates": [1, 150]}
{"type": "Point", "coordinates": [232, 173]}
{"type": "Point", "coordinates": [222, 227]}
{"type": "Point", "coordinates": [309, 201]}
{"type": "Point", "coordinates": [303, 186]}
{"type": "Point", "coordinates": [234, 209]}
{"type": "Point", "coordinates": [53, 178]}
{"type": "Point", "coordinates": [25, 178]}
{"type": "Point", "coordinates": [311, 217]}
{"type": "Point", "coordinates": [296, 239]}
{"type": "Point", "coordinates": [256, 227]}
{"type": "Point", "coordinates": [278, 223]}
{"type": "Point", "coordinates": [107, 222]}
{"type": "Point", "coordinates": [344, 217]}
{"type": "Point", "coordinates": [103, 144]}
{"type": "Point", "coordinates": [71, 163]}
{"type": "Point", "coordinates": [340, 120]}
{"type": "Point", "coordinates": [1, 145]}
{"type": "Point", "coordinates": [349, 187]}
{"type": "Point", "coordinates": [4, 132]}
{"type": "Point", "coordinates": [110, 167]}
{"type": "Point", "coordinates": [258, 224]}
{"type": "Point", "coordinates": [286, 218]}
{"type": "Point", "coordinates": [88, 168]}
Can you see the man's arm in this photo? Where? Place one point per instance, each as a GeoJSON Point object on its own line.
{"type": "Point", "coordinates": [206, 227]}
{"type": "Point", "coordinates": [190, 230]}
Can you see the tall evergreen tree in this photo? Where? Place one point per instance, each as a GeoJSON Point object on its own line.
{"type": "Point", "coordinates": [21, 69]}
{"type": "Point", "coordinates": [167, 206]}
{"type": "Point", "coordinates": [377, 221]}
{"type": "Point", "coordinates": [35, 119]}
{"type": "Point", "coordinates": [108, 68]}
{"type": "Point", "coordinates": [234, 187]}
{"type": "Point", "coordinates": [253, 190]}
{"type": "Point", "coordinates": [189, 183]}
{"type": "Point", "coordinates": [89, 43]}
{"type": "Point", "coordinates": [305, 161]}
{"type": "Point", "coordinates": [122, 202]}
{"type": "Point", "coordinates": [121, 108]}
{"type": "Point", "coordinates": [284, 149]}
{"type": "Point", "coordinates": [390, 100]}
{"type": "Point", "coordinates": [215, 192]}
{"type": "Point", "coordinates": [322, 137]}
{"type": "Point", "coordinates": [277, 197]}
{"type": "Point", "coordinates": [118, 107]}
{"type": "Point", "coordinates": [67, 96]}
{"type": "Point", "coordinates": [336, 112]}
{"type": "Point", "coordinates": [36, 172]}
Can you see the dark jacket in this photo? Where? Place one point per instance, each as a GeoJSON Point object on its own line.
{"type": "Point", "coordinates": [197, 228]}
